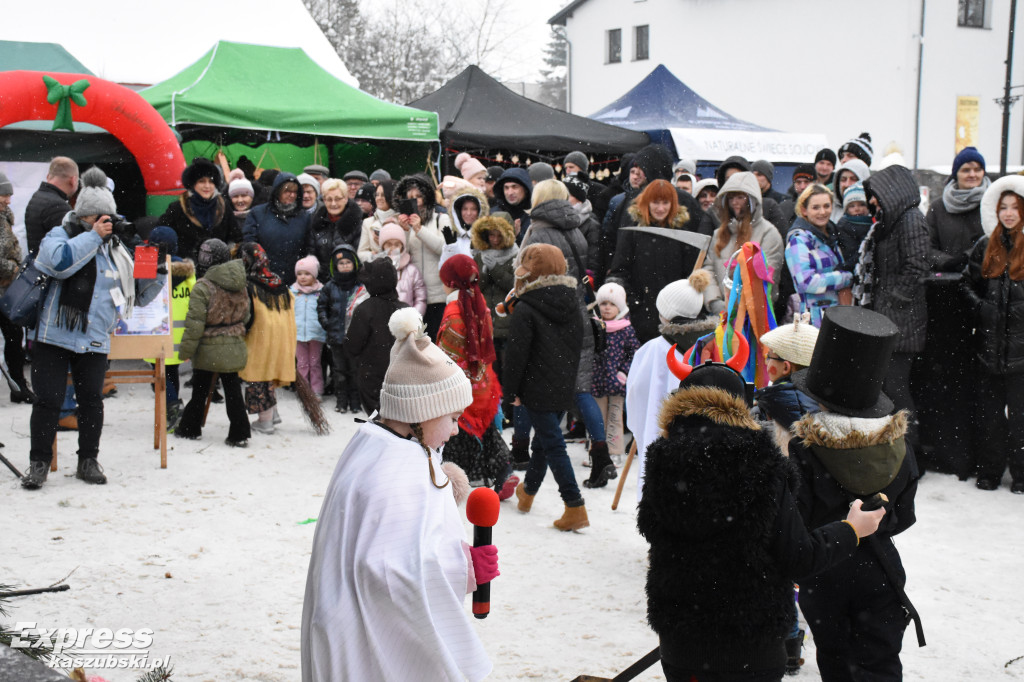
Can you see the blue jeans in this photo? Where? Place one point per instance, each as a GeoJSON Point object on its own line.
{"type": "Point", "coordinates": [549, 451]}
{"type": "Point", "coordinates": [589, 411]}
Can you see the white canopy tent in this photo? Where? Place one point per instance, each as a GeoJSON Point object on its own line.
{"type": "Point", "coordinates": [142, 43]}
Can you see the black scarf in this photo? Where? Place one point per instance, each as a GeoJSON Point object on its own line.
{"type": "Point", "coordinates": [205, 210]}
{"type": "Point", "coordinates": [76, 290]}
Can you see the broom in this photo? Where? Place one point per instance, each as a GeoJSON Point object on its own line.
{"type": "Point", "coordinates": [311, 408]}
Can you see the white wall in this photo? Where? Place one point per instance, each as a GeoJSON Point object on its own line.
{"type": "Point", "coordinates": [811, 65]}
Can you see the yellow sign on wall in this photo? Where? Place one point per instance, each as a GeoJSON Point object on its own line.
{"type": "Point", "coordinates": [966, 123]}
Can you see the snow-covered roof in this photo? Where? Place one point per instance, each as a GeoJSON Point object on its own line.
{"type": "Point", "coordinates": [142, 43]}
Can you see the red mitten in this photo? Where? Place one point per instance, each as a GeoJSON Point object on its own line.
{"type": "Point", "coordinates": [485, 563]}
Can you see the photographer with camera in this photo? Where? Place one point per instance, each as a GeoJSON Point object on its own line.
{"type": "Point", "coordinates": [92, 284]}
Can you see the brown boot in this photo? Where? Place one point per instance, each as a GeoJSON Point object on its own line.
{"type": "Point", "coordinates": [574, 518]}
{"type": "Point", "coordinates": [525, 499]}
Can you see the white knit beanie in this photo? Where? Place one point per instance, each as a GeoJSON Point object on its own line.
{"type": "Point", "coordinates": [615, 294]}
{"type": "Point", "coordinates": [684, 297]}
{"type": "Point", "coordinates": [421, 383]}
{"type": "Point", "coordinates": [793, 342]}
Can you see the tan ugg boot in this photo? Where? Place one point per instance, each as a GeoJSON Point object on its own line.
{"type": "Point", "coordinates": [525, 499]}
{"type": "Point", "coordinates": [574, 518]}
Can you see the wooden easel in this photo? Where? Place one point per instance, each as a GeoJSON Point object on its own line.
{"type": "Point", "coordinates": [154, 346]}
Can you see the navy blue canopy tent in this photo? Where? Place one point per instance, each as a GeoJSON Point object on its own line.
{"type": "Point", "coordinates": [672, 114]}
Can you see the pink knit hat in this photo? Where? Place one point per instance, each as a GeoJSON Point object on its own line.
{"type": "Point", "coordinates": [308, 264]}
{"type": "Point", "coordinates": [468, 165]}
{"type": "Point", "coordinates": [391, 231]}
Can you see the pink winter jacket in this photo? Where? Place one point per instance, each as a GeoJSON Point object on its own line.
{"type": "Point", "coordinates": [411, 287]}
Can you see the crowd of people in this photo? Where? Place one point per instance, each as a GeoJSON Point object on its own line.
{"type": "Point", "coordinates": [517, 297]}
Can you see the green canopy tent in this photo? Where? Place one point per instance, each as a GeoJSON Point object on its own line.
{"type": "Point", "coordinates": [239, 96]}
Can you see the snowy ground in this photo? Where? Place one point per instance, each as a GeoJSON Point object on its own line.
{"type": "Point", "coordinates": [211, 555]}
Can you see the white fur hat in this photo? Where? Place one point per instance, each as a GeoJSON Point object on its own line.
{"type": "Point", "coordinates": [615, 294]}
{"type": "Point", "coordinates": [793, 342]}
{"type": "Point", "coordinates": [684, 297]}
{"type": "Point", "coordinates": [990, 200]}
{"type": "Point", "coordinates": [421, 383]}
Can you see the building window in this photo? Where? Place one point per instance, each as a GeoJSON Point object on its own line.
{"type": "Point", "coordinates": [641, 42]}
{"type": "Point", "coordinates": [615, 46]}
{"type": "Point", "coordinates": [971, 13]}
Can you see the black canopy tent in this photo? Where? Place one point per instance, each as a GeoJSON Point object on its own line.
{"type": "Point", "coordinates": [476, 112]}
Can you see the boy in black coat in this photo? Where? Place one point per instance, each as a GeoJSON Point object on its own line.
{"type": "Point", "coordinates": [545, 341]}
{"type": "Point", "coordinates": [332, 308]}
{"type": "Point", "coordinates": [368, 340]}
{"type": "Point", "coordinates": [727, 542]}
{"type": "Point", "coordinates": [855, 447]}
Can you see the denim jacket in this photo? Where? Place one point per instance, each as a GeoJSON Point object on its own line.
{"type": "Point", "coordinates": [60, 257]}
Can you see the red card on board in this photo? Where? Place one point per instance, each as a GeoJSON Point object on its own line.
{"type": "Point", "coordinates": [145, 262]}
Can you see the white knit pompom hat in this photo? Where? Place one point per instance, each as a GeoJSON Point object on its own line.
{"type": "Point", "coordinates": [793, 342]}
{"type": "Point", "coordinates": [421, 383]}
{"type": "Point", "coordinates": [616, 295]}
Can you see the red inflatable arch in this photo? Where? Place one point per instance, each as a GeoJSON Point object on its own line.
{"type": "Point", "coordinates": [115, 108]}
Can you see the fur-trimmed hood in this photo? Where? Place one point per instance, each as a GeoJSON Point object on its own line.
{"type": "Point", "coordinates": [990, 200]}
{"type": "Point", "coordinates": [553, 296]}
{"type": "Point", "coordinates": [421, 182]}
{"type": "Point", "coordinates": [685, 334]}
{"type": "Point", "coordinates": [486, 224]}
{"type": "Point", "coordinates": [467, 194]}
{"type": "Point", "coordinates": [710, 403]}
{"type": "Point", "coordinates": [181, 270]}
{"type": "Point", "coordinates": [863, 455]}
{"type": "Point", "coordinates": [681, 217]}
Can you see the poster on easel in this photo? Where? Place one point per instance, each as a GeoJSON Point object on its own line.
{"type": "Point", "coordinates": [152, 319]}
{"type": "Point", "coordinates": [147, 335]}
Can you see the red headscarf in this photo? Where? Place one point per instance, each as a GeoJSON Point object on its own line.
{"type": "Point", "coordinates": [460, 272]}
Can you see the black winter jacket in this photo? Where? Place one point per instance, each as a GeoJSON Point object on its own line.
{"type": "Point", "coordinates": [544, 345]}
{"type": "Point", "coordinates": [900, 256]}
{"type": "Point", "coordinates": [557, 223]}
{"type": "Point", "coordinates": [369, 340]}
{"type": "Point", "coordinates": [332, 304]}
{"type": "Point", "coordinates": [324, 236]}
{"type": "Point", "coordinates": [951, 236]}
{"type": "Point", "coordinates": [727, 542]}
{"type": "Point", "coordinates": [644, 264]}
{"type": "Point", "coordinates": [192, 234]}
{"type": "Point", "coordinates": [998, 308]}
{"type": "Point", "coordinates": [45, 211]}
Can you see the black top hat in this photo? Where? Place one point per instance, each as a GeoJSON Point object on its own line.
{"type": "Point", "coordinates": [850, 361]}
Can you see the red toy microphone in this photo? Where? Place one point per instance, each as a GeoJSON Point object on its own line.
{"type": "Point", "coordinates": [482, 511]}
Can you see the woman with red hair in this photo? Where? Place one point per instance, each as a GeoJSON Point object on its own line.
{"type": "Point", "coordinates": [995, 290]}
{"type": "Point", "coordinates": [645, 263]}
{"type": "Point", "coordinates": [467, 337]}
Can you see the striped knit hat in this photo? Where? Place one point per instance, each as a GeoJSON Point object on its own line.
{"type": "Point", "coordinates": [860, 147]}
{"type": "Point", "coordinates": [422, 383]}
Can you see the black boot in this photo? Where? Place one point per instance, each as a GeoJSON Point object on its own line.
{"type": "Point", "coordinates": [520, 454]}
{"type": "Point", "coordinates": [35, 477]}
{"type": "Point", "coordinates": [90, 471]}
{"type": "Point", "coordinates": [794, 647]}
{"type": "Point", "coordinates": [602, 469]}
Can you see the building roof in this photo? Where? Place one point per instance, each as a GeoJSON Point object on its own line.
{"type": "Point", "coordinates": [565, 13]}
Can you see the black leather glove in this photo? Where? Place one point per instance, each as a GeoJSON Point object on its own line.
{"type": "Point", "coordinates": [449, 234]}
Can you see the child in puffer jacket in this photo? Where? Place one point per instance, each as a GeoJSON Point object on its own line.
{"type": "Point", "coordinates": [335, 309]}
{"type": "Point", "coordinates": [310, 336]}
{"type": "Point", "coordinates": [612, 364]}
{"type": "Point", "coordinates": [412, 289]}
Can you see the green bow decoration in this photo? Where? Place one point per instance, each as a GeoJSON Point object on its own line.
{"type": "Point", "coordinates": [63, 96]}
